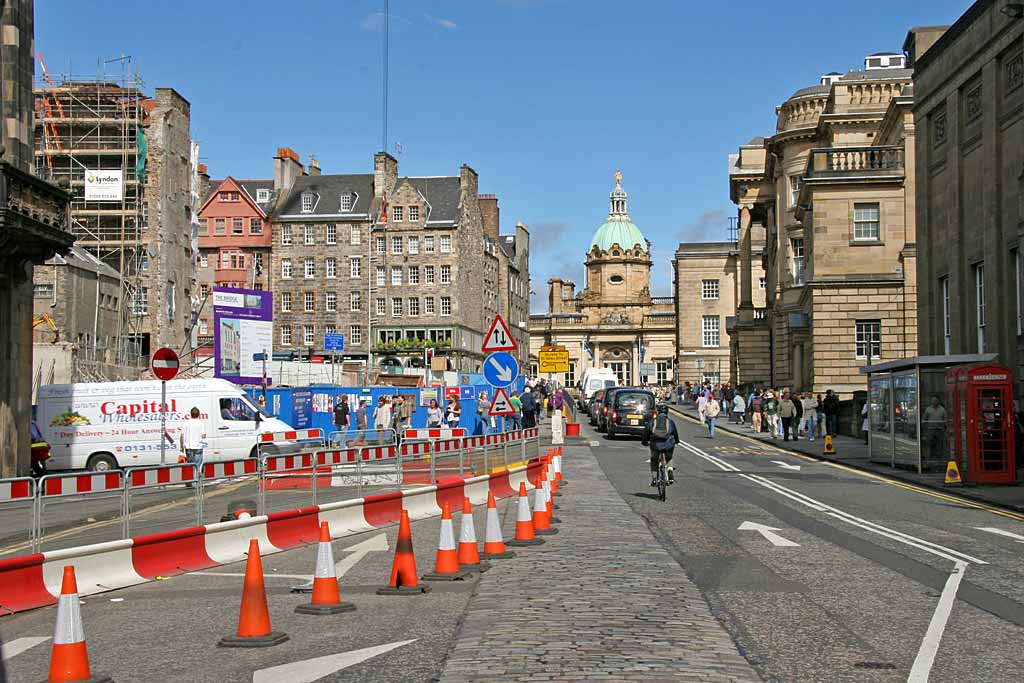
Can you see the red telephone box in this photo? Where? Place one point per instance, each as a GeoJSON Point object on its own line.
{"type": "Point", "coordinates": [981, 437]}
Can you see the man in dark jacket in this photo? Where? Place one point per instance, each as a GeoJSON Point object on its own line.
{"type": "Point", "coordinates": [529, 400]}
{"type": "Point", "coordinates": [831, 409]}
{"type": "Point", "coordinates": [662, 436]}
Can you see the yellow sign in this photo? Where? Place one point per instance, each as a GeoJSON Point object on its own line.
{"type": "Point", "coordinates": [953, 473]}
{"type": "Point", "coordinates": [553, 359]}
{"type": "Point", "coordinates": [829, 448]}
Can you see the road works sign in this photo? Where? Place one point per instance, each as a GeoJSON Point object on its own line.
{"type": "Point", "coordinates": [553, 359]}
{"type": "Point", "coordinates": [501, 405]}
{"type": "Point", "coordinates": [498, 338]}
{"type": "Point", "coordinates": [165, 364]}
{"type": "Point", "coordinates": [501, 369]}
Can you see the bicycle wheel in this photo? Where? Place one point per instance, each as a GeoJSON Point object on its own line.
{"type": "Point", "coordinates": [662, 482]}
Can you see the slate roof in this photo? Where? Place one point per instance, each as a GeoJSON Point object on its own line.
{"type": "Point", "coordinates": [328, 189]}
{"type": "Point", "coordinates": [508, 245]}
{"type": "Point", "coordinates": [251, 186]}
{"type": "Point", "coordinates": [442, 194]}
{"type": "Point", "coordinates": [80, 258]}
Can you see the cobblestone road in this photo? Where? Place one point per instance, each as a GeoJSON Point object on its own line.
{"type": "Point", "coordinates": [600, 601]}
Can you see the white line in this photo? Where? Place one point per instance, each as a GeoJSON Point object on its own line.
{"type": "Point", "coordinates": [310, 670]}
{"type": "Point", "coordinates": [1001, 532]}
{"type": "Point", "coordinates": [266, 575]}
{"type": "Point", "coordinates": [19, 645]}
{"type": "Point", "coordinates": [933, 636]}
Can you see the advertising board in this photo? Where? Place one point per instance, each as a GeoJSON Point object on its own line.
{"type": "Point", "coordinates": [243, 327]}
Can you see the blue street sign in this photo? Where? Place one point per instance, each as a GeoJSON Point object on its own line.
{"type": "Point", "coordinates": [467, 393]}
{"type": "Point", "coordinates": [334, 341]}
{"type": "Point", "coordinates": [501, 369]}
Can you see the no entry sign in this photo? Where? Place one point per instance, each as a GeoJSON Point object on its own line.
{"type": "Point", "coordinates": [165, 364]}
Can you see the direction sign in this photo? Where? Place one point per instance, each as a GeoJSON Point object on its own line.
{"type": "Point", "coordinates": [165, 364]}
{"type": "Point", "coordinates": [553, 359]}
{"type": "Point", "coordinates": [501, 369]}
{"type": "Point", "coordinates": [501, 405]}
{"type": "Point", "coordinates": [498, 337]}
{"type": "Point", "coordinates": [334, 341]}
{"type": "Point", "coordinates": [467, 393]}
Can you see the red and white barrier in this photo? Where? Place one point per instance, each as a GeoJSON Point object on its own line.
{"type": "Point", "coordinates": [230, 468]}
{"type": "Point", "coordinates": [53, 485]}
{"type": "Point", "coordinates": [437, 433]}
{"type": "Point", "coordinates": [161, 474]}
{"type": "Point", "coordinates": [293, 435]}
{"type": "Point", "coordinates": [16, 489]}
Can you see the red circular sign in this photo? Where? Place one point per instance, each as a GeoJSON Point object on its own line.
{"type": "Point", "coordinates": [165, 364]}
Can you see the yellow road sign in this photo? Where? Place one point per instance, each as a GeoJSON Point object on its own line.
{"type": "Point", "coordinates": [553, 359]}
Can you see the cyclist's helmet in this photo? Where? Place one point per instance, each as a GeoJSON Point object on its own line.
{"type": "Point", "coordinates": [663, 409]}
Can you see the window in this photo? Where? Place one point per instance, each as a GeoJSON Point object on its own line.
{"type": "Point", "coordinates": [710, 327]}
{"type": "Point", "coordinates": [255, 226]}
{"type": "Point", "coordinates": [257, 260]}
{"type": "Point", "coordinates": [947, 334]}
{"type": "Point", "coordinates": [355, 266]}
{"type": "Point", "coordinates": [286, 235]}
{"type": "Point", "coordinates": [866, 222]}
{"type": "Point", "coordinates": [140, 302]}
{"type": "Point", "coordinates": [355, 235]}
{"type": "Point", "coordinates": [309, 267]}
{"type": "Point", "coordinates": [308, 335]}
{"type": "Point", "coordinates": [396, 245]}
{"type": "Point", "coordinates": [396, 308]}
{"type": "Point", "coordinates": [396, 213]}
{"type": "Point", "coordinates": [382, 306]}
{"type": "Point", "coordinates": [446, 305]}
{"type": "Point", "coordinates": [380, 245]}
{"type": "Point", "coordinates": [307, 202]}
{"type": "Point", "coordinates": [446, 244]}
{"type": "Point", "coordinates": [286, 302]}
{"type": "Point", "coordinates": [355, 301]}
{"type": "Point", "coordinates": [204, 291]}
{"type": "Point", "coordinates": [662, 371]}
{"type": "Point", "coordinates": [204, 261]}
{"type": "Point", "coordinates": [262, 196]}
{"type": "Point", "coordinates": [446, 275]}
{"type": "Point", "coordinates": [308, 301]}
{"type": "Point", "coordinates": [308, 234]}
{"type": "Point", "coordinates": [414, 306]}
{"type": "Point", "coordinates": [331, 266]}
{"type": "Point", "coordinates": [761, 283]}
{"type": "Point", "coordinates": [286, 335]}
{"type": "Point", "coordinates": [203, 226]}
{"type": "Point", "coordinates": [225, 259]}
{"type": "Point", "coordinates": [204, 327]}
{"type": "Point", "coordinates": [795, 181]}
{"type": "Point", "coordinates": [428, 274]}
{"type": "Point", "coordinates": [331, 302]}
{"type": "Point", "coordinates": [428, 305]}
{"type": "Point", "coordinates": [382, 276]}
{"type": "Point", "coordinates": [979, 304]}
{"type": "Point", "coordinates": [219, 226]}
{"type": "Point", "coordinates": [428, 244]}
{"type": "Point", "coordinates": [42, 290]}
{"type": "Point", "coordinates": [709, 289]}
{"type": "Point", "coordinates": [414, 275]}
{"type": "Point", "coordinates": [346, 202]}
{"type": "Point", "coordinates": [355, 335]}
{"type": "Point", "coordinates": [414, 245]}
{"type": "Point", "coordinates": [396, 275]}
{"type": "Point", "coordinates": [414, 213]}
{"type": "Point", "coordinates": [332, 234]}
{"type": "Point", "coordinates": [329, 330]}
{"type": "Point", "coordinates": [869, 339]}
{"type": "Point", "coordinates": [236, 226]}
{"type": "Point", "coordinates": [286, 269]}
{"type": "Point", "coordinates": [797, 246]}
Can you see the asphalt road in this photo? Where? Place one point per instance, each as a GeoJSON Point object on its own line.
{"type": "Point", "coordinates": [865, 579]}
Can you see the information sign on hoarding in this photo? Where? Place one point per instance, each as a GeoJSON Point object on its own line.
{"type": "Point", "coordinates": [243, 328]}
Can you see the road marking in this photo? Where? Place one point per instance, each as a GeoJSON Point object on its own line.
{"type": "Point", "coordinates": [266, 575]}
{"type": "Point", "coordinates": [309, 670]}
{"type": "Point", "coordinates": [936, 627]}
{"type": "Point", "coordinates": [786, 465]}
{"type": "Point", "coordinates": [19, 645]}
{"type": "Point", "coordinates": [769, 533]}
{"type": "Point", "coordinates": [378, 543]}
{"type": "Point", "coordinates": [1001, 532]}
{"type": "Point", "coordinates": [906, 539]}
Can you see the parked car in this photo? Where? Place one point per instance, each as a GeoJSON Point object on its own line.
{"type": "Point", "coordinates": [606, 406]}
{"type": "Point", "coordinates": [630, 411]}
{"type": "Point", "coordinates": [594, 405]}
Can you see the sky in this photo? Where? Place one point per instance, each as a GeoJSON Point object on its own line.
{"type": "Point", "coordinates": [545, 99]}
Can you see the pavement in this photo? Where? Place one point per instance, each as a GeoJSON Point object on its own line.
{"type": "Point", "coordinates": [854, 453]}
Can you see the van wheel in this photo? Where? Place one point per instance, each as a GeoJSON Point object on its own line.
{"type": "Point", "coordinates": [101, 462]}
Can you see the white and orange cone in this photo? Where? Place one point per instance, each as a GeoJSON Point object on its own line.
{"type": "Point", "coordinates": [69, 660]}
{"type": "Point", "coordinates": [525, 533]}
{"type": "Point", "coordinates": [326, 596]}
{"type": "Point", "coordinates": [541, 517]}
{"type": "Point", "coordinates": [253, 614]}
{"type": "Point", "coordinates": [558, 470]}
{"type": "Point", "coordinates": [446, 563]}
{"type": "Point", "coordinates": [469, 553]}
{"type": "Point", "coordinates": [550, 501]}
{"type": "Point", "coordinates": [494, 545]}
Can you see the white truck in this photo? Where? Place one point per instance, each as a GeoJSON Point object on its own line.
{"type": "Point", "coordinates": [593, 380]}
{"type": "Point", "coordinates": [105, 425]}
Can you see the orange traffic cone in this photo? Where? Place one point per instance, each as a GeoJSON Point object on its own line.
{"type": "Point", "coordinates": [551, 505]}
{"type": "Point", "coordinates": [469, 553]}
{"type": "Point", "coordinates": [403, 570]}
{"type": "Point", "coordinates": [446, 566]}
{"type": "Point", "coordinates": [541, 518]}
{"type": "Point", "coordinates": [551, 478]}
{"type": "Point", "coordinates": [253, 616]}
{"type": "Point", "coordinates": [494, 545]}
{"type": "Point", "coordinates": [558, 470]}
{"type": "Point", "coordinates": [326, 596]}
{"type": "Point", "coordinates": [69, 661]}
{"type": "Point", "coordinates": [525, 533]}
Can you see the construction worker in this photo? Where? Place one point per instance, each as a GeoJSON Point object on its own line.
{"type": "Point", "coordinates": [40, 449]}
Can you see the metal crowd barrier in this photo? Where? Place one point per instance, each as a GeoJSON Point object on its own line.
{"type": "Point", "coordinates": [145, 481]}
{"type": "Point", "coordinates": [354, 438]}
{"type": "Point", "coordinates": [20, 494]}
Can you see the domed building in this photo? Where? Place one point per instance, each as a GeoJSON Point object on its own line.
{"type": "Point", "coordinates": [614, 322]}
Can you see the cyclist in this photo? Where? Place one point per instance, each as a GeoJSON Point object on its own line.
{"type": "Point", "coordinates": [662, 436]}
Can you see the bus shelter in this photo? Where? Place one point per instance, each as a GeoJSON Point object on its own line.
{"type": "Point", "coordinates": [907, 411]}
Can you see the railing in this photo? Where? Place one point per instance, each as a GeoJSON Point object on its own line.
{"type": "Point", "coordinates": [855, 161]}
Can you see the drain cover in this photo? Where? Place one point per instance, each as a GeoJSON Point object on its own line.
{"type": "Point", "coordinates": [874, 665]}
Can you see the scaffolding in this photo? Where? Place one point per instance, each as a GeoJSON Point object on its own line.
{"type": "Point", "coordinates": [85, 127]}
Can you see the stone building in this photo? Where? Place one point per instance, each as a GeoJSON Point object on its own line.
{"type": "Point", "coordinates": [614, 322]}
{"type": "Point", "coordinates": [832, 196]}
{"type": "Point", "coordinates": [969, 114]}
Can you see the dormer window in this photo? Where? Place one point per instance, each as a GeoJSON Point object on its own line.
{"type": "Point", "coordinates": [307, 202]}
{"type": "Point", "coordinates": [347, 200]}
{"type": "Point", "coordinates": [262, 196]}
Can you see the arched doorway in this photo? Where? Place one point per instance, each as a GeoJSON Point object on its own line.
{"type": "Point", "coordinates": [619, 360]}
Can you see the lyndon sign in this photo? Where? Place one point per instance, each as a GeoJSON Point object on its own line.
{"type": "Point", "coordinates": [104, 186]}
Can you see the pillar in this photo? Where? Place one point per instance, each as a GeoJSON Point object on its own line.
{"type": "Point", "coordinates": [746, 292]}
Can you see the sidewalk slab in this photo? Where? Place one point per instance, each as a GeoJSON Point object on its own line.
{"type": "Point", "coordinates": [853, 453]}
{"type": "Point", "coordinates": [600, 600]}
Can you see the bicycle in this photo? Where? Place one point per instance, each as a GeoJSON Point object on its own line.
{"type": "Point", "coordinates": [662, 479]}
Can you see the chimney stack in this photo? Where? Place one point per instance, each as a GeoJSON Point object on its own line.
{"type": "Point", "coordinates": [287, 168]}
{"type": "Point", "coordinates": [385, 173]}
{"type": "Point", "coordinates": [204, 182]}
{"type": "Point", "coordinates": [490, 214]}
{"type": "Point", "coordinates": [314, 165]}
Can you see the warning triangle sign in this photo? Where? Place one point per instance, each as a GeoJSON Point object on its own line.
{"type": "Point", "coordinates": [501, 405]}
{"type": "Point", "coordinates": [952, 473]}
{"type": "Point", "coordinates": [498, 338]}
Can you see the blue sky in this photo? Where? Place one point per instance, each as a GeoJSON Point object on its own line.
{"type": "Point", "coordinates": [544, 98]}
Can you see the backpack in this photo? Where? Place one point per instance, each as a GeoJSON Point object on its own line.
{"type": "Point", "coordinates": [661, 429]}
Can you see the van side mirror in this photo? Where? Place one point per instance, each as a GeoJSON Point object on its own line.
{"type": "Point", "coordinates": [259, 417]}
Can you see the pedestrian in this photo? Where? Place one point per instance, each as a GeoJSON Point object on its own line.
{"type": "Point", "coordinates": [529, 402]}
{"type": "Point", "coordinates": [771, 411]}
{"type": "Point", "coordinates": [710, 411]}
{"type": "Point", "coordinates": [865, 424]}
{"type": "Point", "coordinates": [382, 419]}
{"type": "Point", "coordinates": [341, 419]}
{"type": "Point", "coordinates": [404, 414]}
{"type": "Point", "coordinates": [362, 420]}
{"type": "Point", "coordinates": [821, 416]}
{"type": "Point", "coordinates": [810, 418]}
{"type": "Point", "coordinates": [517, 405]}
{"type": "Point", "coordinates": [557, 401]}
{"type": "Point", "coordinates": [798, 418]}
{"type": "Point", "coordinates": [193, 433]}
{"type": "Point", "coordinates": [483, 405]}
{"type": "Point", "coordinates": [434, 415]}
{"type": "Point", "coordinates": [739, 407]}
{"type": "Point", "coordinates": [702, 401]}
{"type": "Point", "coordinates": [933, 424]}
{"type": "Point", "coordinates": [454, 413]}
{"type": "Point", "coordinates": [756, 411]}
{"type": "Point", "coordinates": [787, 411]}
{"type": "Point", "coordinates": [831, 405]}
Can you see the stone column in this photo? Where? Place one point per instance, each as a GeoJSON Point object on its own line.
{"type": "Point", "coordinates": [746, 292]}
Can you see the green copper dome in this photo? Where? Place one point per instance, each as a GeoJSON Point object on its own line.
{"type": "Point", "coordinates": [619, 231]}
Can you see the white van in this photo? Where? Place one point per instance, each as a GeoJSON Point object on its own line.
{"type": "Point", "coordinates": [105, 425]}
{"type": "Point", "coordinates": [595, 379]}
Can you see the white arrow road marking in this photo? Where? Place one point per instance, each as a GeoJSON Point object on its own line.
{"type": "Point", "coordinates": [19, 645]}
{"type": "Point", "coordinates": [266, 575]}
{"type": "Point", "coordinates": [786, 465]}
{"type": "Point", "coordinates": [936, 627]}
{"type": "Point", "coordinates": [769, 533]}
{"type": "Point", "coordinates": [504, 373]}
{"type": "Point", "coordinates": [309, 670]}
{"type": "Point", "coordinates": [378, 543]}
{"type": "Point", "coordinates": [1001, 532]}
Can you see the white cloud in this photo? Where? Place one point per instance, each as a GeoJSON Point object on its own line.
{"type": "Point", "coordinates": [443, 23]}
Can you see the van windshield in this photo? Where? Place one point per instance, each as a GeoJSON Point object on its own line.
{"type": "Point", "coordinates": [236, 409]}
{"type": "Point", "coordinates": [609, 383]}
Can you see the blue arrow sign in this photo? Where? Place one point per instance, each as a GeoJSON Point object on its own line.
{"type": "Point", "coordinates": [501, 369]}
